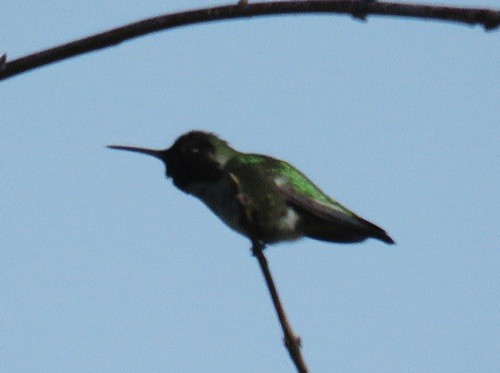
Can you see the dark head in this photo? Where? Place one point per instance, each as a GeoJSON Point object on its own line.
{"type": "Point", "coordinates": [196, 156]}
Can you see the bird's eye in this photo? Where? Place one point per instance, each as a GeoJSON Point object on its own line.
{"type": "Point", "coordinates": [198, 149]}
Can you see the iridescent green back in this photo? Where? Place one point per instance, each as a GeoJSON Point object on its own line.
{"type": "Point", "coordinates": [299, 182]}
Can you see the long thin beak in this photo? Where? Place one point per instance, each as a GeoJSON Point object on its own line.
{"type": "Point", "coordinates": [160, 154]}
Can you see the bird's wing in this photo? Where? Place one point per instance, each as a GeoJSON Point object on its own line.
{"type": "Point", "coordinates": [331, 222]}
{"type": "Point", "coordinates": [300, 190]}
{"type": "Point", "coordinates": [328, 219]}
{"type": "Point", "coordinates": [334, 213]}
{"type": "Point", "coordinates": [322, 217]}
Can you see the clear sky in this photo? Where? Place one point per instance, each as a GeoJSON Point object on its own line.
{"type": "Point", "coordinates": [106, 266]}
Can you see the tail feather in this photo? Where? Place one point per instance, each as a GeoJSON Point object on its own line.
{"type": "Point", "coordinates": [355, 229]}
{"type": "Point", "coordinates": [376, 232]}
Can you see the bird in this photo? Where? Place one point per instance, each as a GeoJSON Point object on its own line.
{"type": "Point", "coordinates": [285, 204]}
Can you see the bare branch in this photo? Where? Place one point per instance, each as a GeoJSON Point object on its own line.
{"type": "Point", "coordinates": [248, 220]}
{"type": "Point", "coordinates": [488, 18]}
{"type": "Point", "coordinates": [292, 341]}
{"type": "Point", "coordinates": [3, 61]}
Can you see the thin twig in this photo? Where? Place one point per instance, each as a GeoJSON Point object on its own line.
{"type": "Point", "coordinates": [292, 341]}
{"type": "Point", "coordinates": [488, 18]}
{"type": "Point", "coordinates": [249, 221]}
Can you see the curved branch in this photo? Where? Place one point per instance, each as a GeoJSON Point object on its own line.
{"type": "Point", "coordinates": [488, 18]}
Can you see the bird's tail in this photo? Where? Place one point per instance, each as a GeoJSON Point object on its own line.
{"type": "Point", "coordinates": [375, 231]}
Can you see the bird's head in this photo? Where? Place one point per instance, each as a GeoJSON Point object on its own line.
{"type": "Point", "coordinates": [194, 157]}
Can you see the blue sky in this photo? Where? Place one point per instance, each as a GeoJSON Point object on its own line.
{"type": "Point", "coordinates": [105, 266]}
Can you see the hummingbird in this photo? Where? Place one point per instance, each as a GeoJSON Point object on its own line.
{"type": "Point", "coordinates": [286, 205]}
